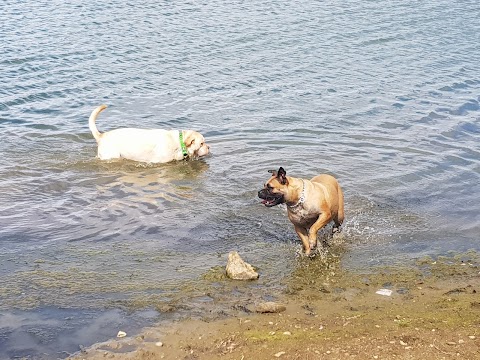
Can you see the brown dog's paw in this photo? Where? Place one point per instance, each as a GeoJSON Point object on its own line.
{"type": "Point", "coordinates": [336, 229]}
{"type": "Point", "coordinates": [321, 252]}
{"type": "Point", "coordinates": [302, 253]}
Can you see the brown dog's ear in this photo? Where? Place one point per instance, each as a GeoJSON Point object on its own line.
{"type": "Point", "coordinates": [282, 176]}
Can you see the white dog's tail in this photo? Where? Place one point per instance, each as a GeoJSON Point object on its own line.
{"type": "Point", "coordinates": [91, 122]}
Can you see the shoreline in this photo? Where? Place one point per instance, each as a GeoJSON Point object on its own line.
{"type": "Point", "coordinates": [433, 312]}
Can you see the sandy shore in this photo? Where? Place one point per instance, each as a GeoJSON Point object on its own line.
{"type": "Point", "coordinates": [433, 312]}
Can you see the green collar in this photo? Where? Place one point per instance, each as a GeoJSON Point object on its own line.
{"type": "Point", "coordinates": [182, 144]}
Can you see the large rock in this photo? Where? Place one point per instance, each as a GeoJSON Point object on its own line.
{"type": "Point", "coordinates": [238, 269]}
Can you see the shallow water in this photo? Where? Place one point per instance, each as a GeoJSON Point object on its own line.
{"type": "Point", "coordinates": [384, 95]}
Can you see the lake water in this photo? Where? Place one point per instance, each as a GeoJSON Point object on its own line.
{"type": "Point", "coordinates": [382, 94]}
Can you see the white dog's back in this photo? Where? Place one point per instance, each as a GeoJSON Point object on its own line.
{"type": "Point", "coordinates": [145, 145]}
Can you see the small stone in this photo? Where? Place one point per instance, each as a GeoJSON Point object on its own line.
{"type": "Point", "coordinates": [403, 343]}
{"type": "Point", "coordinates": [287, 333]}
{"type": "Point", "coordinates": [159, 344]}
{"type": "Point", "coordinates": [121, 334]}
{"type": "Point", "coordinates": [115, 345]}
{"type": "Point", "coordinates": [280, 354]}
{"type": "Point", "coordinates": [461, 341]}
{"type": "Point", "coordinates": [269, 307]}
{"type": "Point", "coordinates": [451, 343]}
{"type": "Point", "coordinates": [238, 269]}
{"type": "Point", "coordinates": [472, 337]}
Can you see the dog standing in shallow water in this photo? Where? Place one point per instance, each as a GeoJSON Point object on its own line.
{"type": "Point", "coordinates": [311, 204]}
{"type": "Point", "coordinates": [147, 145]}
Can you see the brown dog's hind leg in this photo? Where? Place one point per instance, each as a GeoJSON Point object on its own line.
{"type": "Point", "coordinates": [339, 216]}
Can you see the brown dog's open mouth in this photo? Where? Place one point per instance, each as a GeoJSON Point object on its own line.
{"type": "Point", "coordinates": [270, 200]}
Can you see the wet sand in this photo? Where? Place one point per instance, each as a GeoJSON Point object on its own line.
{"type": "Point", "coordinates": [433, 312]}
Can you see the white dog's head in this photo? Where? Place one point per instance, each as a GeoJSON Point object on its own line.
{"type": "Point", "coordinates": [195, 143]}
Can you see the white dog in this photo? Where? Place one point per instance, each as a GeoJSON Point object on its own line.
{"type": "Point", "coordinates": [147, 145]}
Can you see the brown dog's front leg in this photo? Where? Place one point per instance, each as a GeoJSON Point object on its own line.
{"type": "Point", "coordinates": [322, 220]}
{"type": "Point", "coordinates": [303, 235]}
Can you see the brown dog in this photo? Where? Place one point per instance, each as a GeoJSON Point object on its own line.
{"type": "Point", "coordinates": [311, 204]}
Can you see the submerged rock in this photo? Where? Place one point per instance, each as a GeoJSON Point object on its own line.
{"type": "Point", "coordinates": [238, 269]}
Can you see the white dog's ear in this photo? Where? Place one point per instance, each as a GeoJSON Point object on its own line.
{"type": "Point", "coordinates": [189, 138]}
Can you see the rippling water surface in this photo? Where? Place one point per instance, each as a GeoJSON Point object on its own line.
{"type": "Point", "coordinates": [383, 94]}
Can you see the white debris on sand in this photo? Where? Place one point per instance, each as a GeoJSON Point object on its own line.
{"type": "Point", "coordinates": [384, 292]}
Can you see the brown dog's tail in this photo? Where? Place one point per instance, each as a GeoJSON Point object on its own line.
{"type": "Point", "coordinates": [91, 122]}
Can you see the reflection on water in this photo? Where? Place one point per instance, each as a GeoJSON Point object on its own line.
{"type": "Point", "coordinates": [148, 184]}
{"type": "Point", "coordinates": [389, 106]}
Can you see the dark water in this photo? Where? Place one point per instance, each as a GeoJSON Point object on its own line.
{"type": "Point", "coordinates": [383, 94]}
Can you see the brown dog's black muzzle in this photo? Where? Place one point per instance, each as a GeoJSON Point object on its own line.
{"type": "Point", "coordinates": [270, 199]}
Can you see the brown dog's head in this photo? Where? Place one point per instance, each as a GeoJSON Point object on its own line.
{"type": "Point", "coordinates": [195, 143]}
{"type": "Point", "coordinates": [275, 188]}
